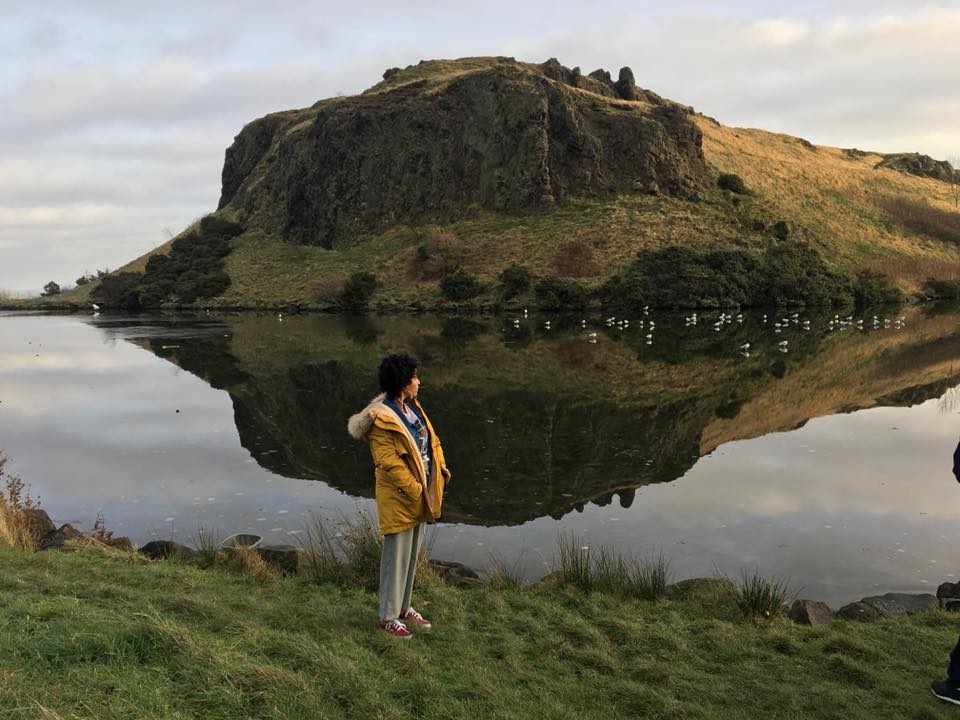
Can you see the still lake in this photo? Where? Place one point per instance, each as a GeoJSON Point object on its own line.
{"type": "Point", "coordinates": [825, 459]}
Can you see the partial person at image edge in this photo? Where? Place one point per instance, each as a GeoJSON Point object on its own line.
{"type": "Point", "coordinates": [949, 689]}
{"type": "Point", "coordinates": [411, 474]}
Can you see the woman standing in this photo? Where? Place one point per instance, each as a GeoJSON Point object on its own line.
{"type": "Point", "coordinates": [410, 477]}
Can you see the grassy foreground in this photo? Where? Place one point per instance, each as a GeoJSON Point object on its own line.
{"type": "Point", "coordinates": [83, 635]}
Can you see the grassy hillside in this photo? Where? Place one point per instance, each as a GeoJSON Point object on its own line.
{"type": "Point", "coordinates": [856, 216]}
{"type": "Point", "coordinates": [101, 637]}
{"type": "Point", "coordinates": [838, 200]}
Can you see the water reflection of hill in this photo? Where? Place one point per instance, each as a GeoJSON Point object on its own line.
{"type": "Point", "coordinates": [539, 422]}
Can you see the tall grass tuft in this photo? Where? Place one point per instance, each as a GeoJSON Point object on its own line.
{"type": "Point", "coordinates": [346, 553]}
{"type": "Point", "coordinates": [573, 562]}
{"type": "Point", "coordinates": [17, 526]}
{"type": "Point", "coordinates": [650, 576]}
{"type": "Point", "coordinates": [247, 561]}
{"type": "Point", "coordinates": [603, 569]}
{"type": "Point", "coordinates": [207, 541]}
{"type": "Point", "coordinates": [503, 574]}
{"type": "Point", "coordinates": [761, 597]}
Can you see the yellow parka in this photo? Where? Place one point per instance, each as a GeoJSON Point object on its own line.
{"type": "Point", "coordinates": [405, 496]}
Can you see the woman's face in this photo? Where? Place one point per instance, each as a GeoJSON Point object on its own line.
{"type": "Point", "coordinates": [412, 388]}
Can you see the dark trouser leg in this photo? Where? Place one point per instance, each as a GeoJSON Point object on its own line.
{"type": "Point", "coordinates": [953, 669]}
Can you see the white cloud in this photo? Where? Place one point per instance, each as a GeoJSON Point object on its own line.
{"type": "Point", "coordinates": [778, 32]}
{"type": "Point", "coordinates": [64, 216]}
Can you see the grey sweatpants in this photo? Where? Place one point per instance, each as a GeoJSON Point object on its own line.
{"type": "Point", "coordinates": [398, 566]}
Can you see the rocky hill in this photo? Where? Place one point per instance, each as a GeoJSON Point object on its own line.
{"type": "Point", "coordinates": [428, 144]}
{"type": "Point", "coordinates": [421, 191]}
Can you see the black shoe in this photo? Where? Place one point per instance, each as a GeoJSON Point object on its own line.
{"type": "Point", "coordinates": [945, 692]}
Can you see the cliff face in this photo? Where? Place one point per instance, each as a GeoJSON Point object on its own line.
{"type": "Point", "coordinates": [434, 140]}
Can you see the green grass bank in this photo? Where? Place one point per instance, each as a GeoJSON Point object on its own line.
{"type": "Point", "coordinates": [84, 634]}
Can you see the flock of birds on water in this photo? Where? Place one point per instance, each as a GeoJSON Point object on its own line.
{"type": "Point", "coordinates": [779, 324]}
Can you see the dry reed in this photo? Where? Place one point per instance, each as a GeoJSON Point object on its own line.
{"type": "Point", "coordinates": [18, 524]}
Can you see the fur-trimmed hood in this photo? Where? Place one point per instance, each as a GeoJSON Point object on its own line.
{"type": "Point", "coordinates": [359, 425]}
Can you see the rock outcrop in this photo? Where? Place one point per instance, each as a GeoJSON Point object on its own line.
{"type": "Point", "coordinates": [435, 141]}
{"type": "Point", "coordinates": [920, 165]}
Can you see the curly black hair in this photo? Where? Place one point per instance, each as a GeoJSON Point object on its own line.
{"type": "Point", "coordinates": [395, 373]}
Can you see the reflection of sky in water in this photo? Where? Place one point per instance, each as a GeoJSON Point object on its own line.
{"type": "Point", "coordinates": [845, 506]}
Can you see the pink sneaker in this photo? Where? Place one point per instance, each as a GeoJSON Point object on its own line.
{"type": "Point", "coordinates": [396, 628]}
{"type": "Point", "coordinates": [418, 620]}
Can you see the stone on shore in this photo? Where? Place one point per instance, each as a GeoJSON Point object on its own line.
{"type": "Point", "coordinates": [120, 543]}
{"type": "Point", "coordinates": [58, 538]}
{"type": "Point", "coordinates": [288, 559]}
{"type": "Point", "coordinates": [810, 612]}
{"type": "Point", "coordinates": [889, 605]}
{"type": "Point", "coordinates": [456, 574]}
{"type": "Point", "coordinates": [38, 522]}
{"type": "Point", "coordinates": [164, 549]}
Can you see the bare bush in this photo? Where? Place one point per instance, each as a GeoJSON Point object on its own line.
{"type": "Point", "coordinates": [17, 525]}
{"type": "Point", "coordinates": [247, 561]}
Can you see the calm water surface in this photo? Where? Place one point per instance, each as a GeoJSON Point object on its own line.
{"type": "Point", "coordinates": [826, 460]}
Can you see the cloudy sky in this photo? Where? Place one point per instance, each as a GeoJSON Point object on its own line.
{"type": "Point", "coordinates": [116, 115]}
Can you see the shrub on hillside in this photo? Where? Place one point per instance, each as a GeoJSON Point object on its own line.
{"type": "Point", "coordinates": [943, 289]}
{"type": "Point", "coordinates": [214, 227]}
{"type": "Point", "coordinates": [357, 290]}
{"type": "Point", "coordinates": [514, 280]}
{"type": "Point", "coordinates": [874, 288]}
{"type": "Point", "coordinates": [678, 277]}
{"type": "Point", "coordinates": [796, 275]}
{"type": "Point", "coordinates": [554, 293]}
{"type": "Point", "coordinates": [459, 285]}
{"type": "Point", "coordinates": [120, 291]}
{"type": "Point", "coordinates": [51, 288]}
{"type": "Point", "coordinates": [781, 229]}
{"type": "Point", "coordinates": [733, 183]}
